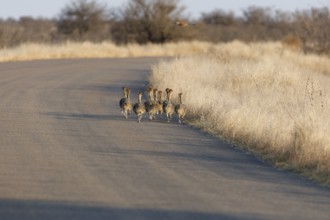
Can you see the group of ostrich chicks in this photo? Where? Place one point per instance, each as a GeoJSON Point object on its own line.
{"type": "Point", "coordinates": [153, 106]}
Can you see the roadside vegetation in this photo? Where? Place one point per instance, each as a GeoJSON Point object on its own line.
{"type": "Point", "coordinates": [153, 21]}
{"type": "Point", "coordinates": [100, 50]}
{"type": "Point", "coordinates": [265, 97]}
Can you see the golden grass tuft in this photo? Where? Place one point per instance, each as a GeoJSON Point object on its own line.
{"type": "Point", "coordinates": [263, 96]}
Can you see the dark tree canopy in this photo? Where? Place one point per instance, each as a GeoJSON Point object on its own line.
{"type": "Point", "coordinates": [144, 21]}
{"type": "Point", "coordinates": [83, 19]}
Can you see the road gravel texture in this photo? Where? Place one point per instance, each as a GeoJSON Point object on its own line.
{"type": "Point", "coordinates": [67, 153]}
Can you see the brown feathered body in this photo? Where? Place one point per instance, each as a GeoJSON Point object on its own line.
{"type": "Point", "coordinates": [148, 104]}
{"type": "Point", "coordinates": [139, 108]}
{"type": "Point", "coordinates": [180, 109]}
{"type": "Point", "coordinates": [153, 107]}
{"type": "Point", "coordinates": [123, 100]}
{"type": "Point", "coordinates": [168, 107]}
{"type": "Point", "coordinates": [127, 104]}
{"type": "Point", "coordinates": [159, 103]}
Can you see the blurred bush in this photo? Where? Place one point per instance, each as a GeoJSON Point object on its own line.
{"type": "Point", "coordinates": [83, 20]}
{"type": "Point", "coordinates": [146, 21]}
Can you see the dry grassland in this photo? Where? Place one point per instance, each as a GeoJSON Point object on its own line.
{"type": "Point", "coordinates": [270, 99]}
{"type": "Point", "coordinates": [101, 50]}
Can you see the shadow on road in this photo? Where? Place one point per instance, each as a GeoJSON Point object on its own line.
{"type": "Point", "coordinates": [32, 210]}
{"type": "Point", "coordinates": [82, 116]}
{"type": "Point", "coordinates": [119, 117]}
{"type": "Point", "coordinates": [116, 88]}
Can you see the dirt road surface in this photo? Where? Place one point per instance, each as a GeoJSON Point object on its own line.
{"type": "Point", "coordinates": [67, 153]}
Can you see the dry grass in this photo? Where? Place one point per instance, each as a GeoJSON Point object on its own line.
{"type": "Point", "coordinates": [108, 49]}
{"type": "Point", "coordinates": [262, 96]}
{"type": "Point", "coordinates": [99, 50]}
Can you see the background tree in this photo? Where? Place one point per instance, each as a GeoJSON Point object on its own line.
{"type": "Point", "coordinates": [26, 29]}
{"type": "Point", "coordinates": [312, 27]}
{"type": "Point", "coordinates": [153, 21]}
{"type": "Point", "coordinates": [256, 24]}
{"type": "Point", "coordinates": [38, 29]}
{"type": "Point", "coordinates": [144, 21]}
{"type": "Point", "coordinates": [221, 26]}
{"type": "Point", "coordinates": [84, 20]}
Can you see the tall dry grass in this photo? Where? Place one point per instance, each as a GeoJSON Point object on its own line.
{"type": "Point", "coordinates": [262, 96]}
{"type": "Point", "coordinates": [32, 51]}
{"type": "Point", "coordinates": [66, 50]}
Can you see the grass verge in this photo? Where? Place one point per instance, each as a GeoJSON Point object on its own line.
{"type": "Point", "coordinates": [271, 100]}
